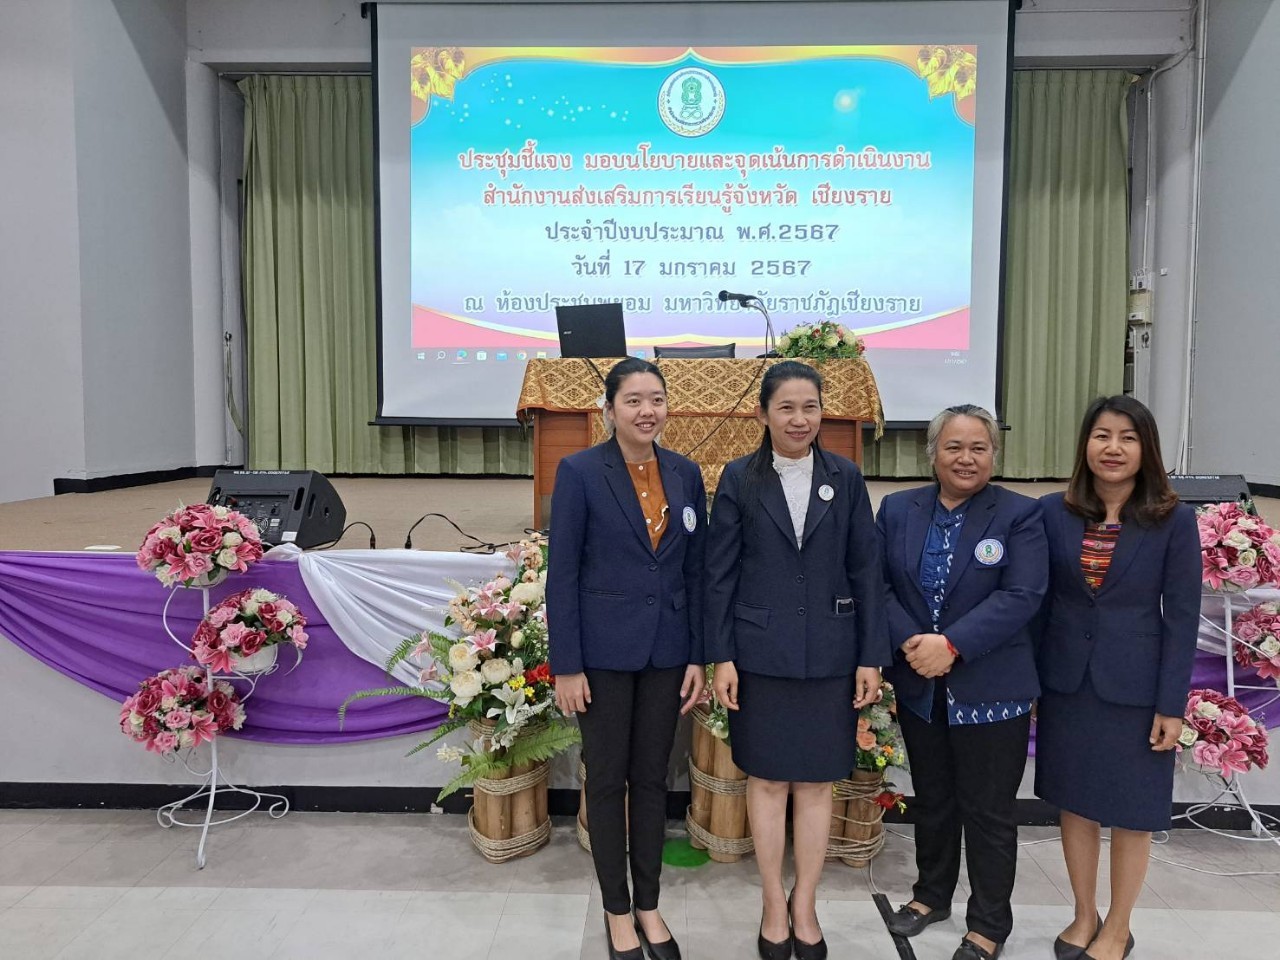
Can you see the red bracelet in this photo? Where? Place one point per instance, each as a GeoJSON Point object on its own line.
{"type": "Point", "coordinates": [952, 647]}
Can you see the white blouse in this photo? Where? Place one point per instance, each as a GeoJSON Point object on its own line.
{"type": "Point", "coordinates": [797, 481]}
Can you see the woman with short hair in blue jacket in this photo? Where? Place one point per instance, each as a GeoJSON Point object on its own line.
{"type": "Point", "coordinates": [967, 566]}
{"type": "Point", "coordinates": [1115, 659]}
{"type": "Point", "coordinates": [795, 626]}
{"type": "Point", "coordinates": [624, 611]}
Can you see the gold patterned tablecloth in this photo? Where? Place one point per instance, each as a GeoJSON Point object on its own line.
{"type": "Point", "coordinates": [711, 401]}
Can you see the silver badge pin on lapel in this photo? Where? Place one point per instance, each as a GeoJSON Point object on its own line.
{"type": "Point", "coordinates": [825, 492]}
{"type": "Point", "coordinates": [690, 519]}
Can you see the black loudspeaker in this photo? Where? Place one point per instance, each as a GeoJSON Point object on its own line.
{"type": "Point", "coordinates": [1197, 489]}
{"type": "Point", "coordinates": [289, 506]}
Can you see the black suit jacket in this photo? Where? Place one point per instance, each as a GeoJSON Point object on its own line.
{"type": "Point", "coordinates": [771, 607]}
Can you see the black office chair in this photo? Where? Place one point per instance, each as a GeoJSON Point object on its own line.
{"type": "Point", "coordinates": [725, 350]}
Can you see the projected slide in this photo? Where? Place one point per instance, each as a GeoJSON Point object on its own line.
{"type": "Point", "coordinates": [832, 182]}
{"type": "Point", "coordinates": [740, 150]}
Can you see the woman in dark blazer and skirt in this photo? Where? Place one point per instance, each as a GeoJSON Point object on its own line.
{"type": "Point", "coordinates": [1115, 661]}
{"type": "Point", "coordinates": [795, 626]}
{"type": "Point", "coordinates": [624, 608]}
{"type": "Point", "coordinates": [967, 567]}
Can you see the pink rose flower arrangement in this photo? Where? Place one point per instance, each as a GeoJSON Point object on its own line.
{"type": "Point", "coordinates": [1221, 735]}
{"type": "Point", "coordinates": [179, 709]}
{"type": "Point", "coordinates": [1238, 550]}
{"type": "Point", "coordinates": [200, 544]}
{"type": "Point", "coordinates": [1259, 629]}
{"type": "Point", "coordinates": [243, 624]}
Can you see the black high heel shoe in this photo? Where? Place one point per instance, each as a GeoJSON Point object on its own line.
{"type": "Point", "coordinates": [805, 951]}
{"type": "Point", "coordinates": [770, 950]}
{"type": "Point", "coordinates": [635, 953]}
{"type": "Point", "coordinates": [662, 950]}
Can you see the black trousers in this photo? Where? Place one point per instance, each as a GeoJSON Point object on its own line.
{"type": "Point", "coordinates": [966, 782]}
{"type": "Point", "coordinates": [627, 732]}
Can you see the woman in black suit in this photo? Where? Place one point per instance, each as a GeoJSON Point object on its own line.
{"type": "Point", "coordinates": [1115, 662]}
{"type": "Point", "coordinates": [795, 625]}
{"type": "Point", "coordinates": [624, 595]}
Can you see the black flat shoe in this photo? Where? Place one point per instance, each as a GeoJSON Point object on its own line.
{"type": "Point", "coordinates": [662, 950]}
{"type": "Point", "coordinates": [635, 953]}
{"type": "Point", "coordinates": [968, 950]}
{"type": "Point", "coordinates": [908, 921]}
{"type": "Point", "coordinates": [803, 950]}
{"type": "Point", "coordinates": [1069, 951]}
{"type": "Point", "coordinates": [1128, 949]}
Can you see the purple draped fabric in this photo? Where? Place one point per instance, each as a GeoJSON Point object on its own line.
{"type": "Point", "coordinates": [97, 619]}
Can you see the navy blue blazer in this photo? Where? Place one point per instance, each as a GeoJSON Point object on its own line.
{"type": "Point", "coordinates": [988, 609]}
{"type": "Point", "coordinates": [772, 608]}
{"type": "Point", "coordinates": [613, 602]}
{"type": "Point", "coordinates": [1137, 636]}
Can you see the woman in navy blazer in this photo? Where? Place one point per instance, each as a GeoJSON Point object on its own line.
{"type": "Point", "coordinates": [795, 626]}
{"type": "Point", "coordinates": [624, 610]}
{"type": "Point", "coordinates": [967, 565]}
{"type": "Point", "coordinates": [1115, 661]}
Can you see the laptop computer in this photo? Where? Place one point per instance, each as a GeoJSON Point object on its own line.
{"type": "Point", "coordinates": [591, 330]}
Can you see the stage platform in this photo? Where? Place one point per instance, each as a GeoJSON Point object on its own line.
{"type": "Point", "coordinates": [496, 510]}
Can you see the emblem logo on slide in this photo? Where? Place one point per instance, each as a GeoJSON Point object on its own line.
{"type": "Point", "coordinates": [691, 102]}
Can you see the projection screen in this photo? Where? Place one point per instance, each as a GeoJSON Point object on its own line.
{"type": "Point", "coordinates": [840, 161]}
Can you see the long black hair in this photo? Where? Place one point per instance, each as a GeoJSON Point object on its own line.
{"type": "Point", "coordinates": [761, 461]}
{"type": "Point", "coordinates": [1153, 498]}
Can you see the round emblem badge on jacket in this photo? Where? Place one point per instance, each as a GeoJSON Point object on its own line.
{"type": "Point", "coordinates": [989, 552]}
{"type": "Point", "coordinates": [690, 519]}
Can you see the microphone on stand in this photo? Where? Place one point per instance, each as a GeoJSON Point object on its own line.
{"type": "Point", "coordinates": [750, 300]}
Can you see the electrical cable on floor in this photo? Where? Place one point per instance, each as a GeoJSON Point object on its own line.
{"type": "Point", "coordinates": [373, 537]}
{"type": "Point", "coordinates": [478, 546]}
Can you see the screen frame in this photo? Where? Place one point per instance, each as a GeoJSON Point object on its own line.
{"type": "Point", "coordinates": [369, 10]}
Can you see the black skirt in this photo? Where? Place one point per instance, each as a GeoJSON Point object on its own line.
{"type": "Point", "coordinates": [1094, 759]}
{"type": "Point", "coordinates": [794, 730]}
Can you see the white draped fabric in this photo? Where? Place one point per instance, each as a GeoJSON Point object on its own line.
{"type": "Point", "coordinates": [374, 599]}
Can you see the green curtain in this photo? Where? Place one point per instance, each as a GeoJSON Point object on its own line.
{"type": "Point", "coordinates": [308, 276]}
{"type": "Point", "coordinates": [308, 272]}
{"type": "Point", "coordinates": [1066, 260]}
{"type": "Point", "coordinates": [1066, 271]}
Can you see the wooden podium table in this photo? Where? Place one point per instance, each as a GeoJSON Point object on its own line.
{"type": "Point", "coordinates": [711, 418]}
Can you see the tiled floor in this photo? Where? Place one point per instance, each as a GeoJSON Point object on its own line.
{"type": "Point", "coordinates": [101, 885]}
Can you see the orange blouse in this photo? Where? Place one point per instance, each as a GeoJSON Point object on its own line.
{"type": "Point", "coordinates": [647, 480]}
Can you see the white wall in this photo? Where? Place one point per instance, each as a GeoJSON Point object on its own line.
{"type": "Point", "coordinates": [96, 341]}
{"type": "Point", "coordinates": [205, 237]}
{"type": "Point", "coordinates": [1235, 426]}
{"type": "Point", "coordinates": [278, 34]}
{"type": "Point", "coordinates": [41, 396]}
{"type": "Point", "coordinates": [135, 267]}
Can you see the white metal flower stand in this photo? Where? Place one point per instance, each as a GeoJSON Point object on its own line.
{"type": "Point", "coordinates": [214, 783]}
{"type": "Point", "coordinates": [1232, 793]}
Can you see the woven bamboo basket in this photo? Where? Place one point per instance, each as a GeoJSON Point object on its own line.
{"type": "Point", "coordinates": [584, 831]}
{"type": "Point", "coordinates": [857, 821]}
{"type": "Point", "coordinates": [508, 817]}
{"type": "Point", "coordinates": [717, 815]}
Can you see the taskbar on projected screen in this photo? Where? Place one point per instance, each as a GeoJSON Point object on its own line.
{"type": "Point", "coordinates": [459, 356]}
{"type": "Point", "coordinates": [921, 361]}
